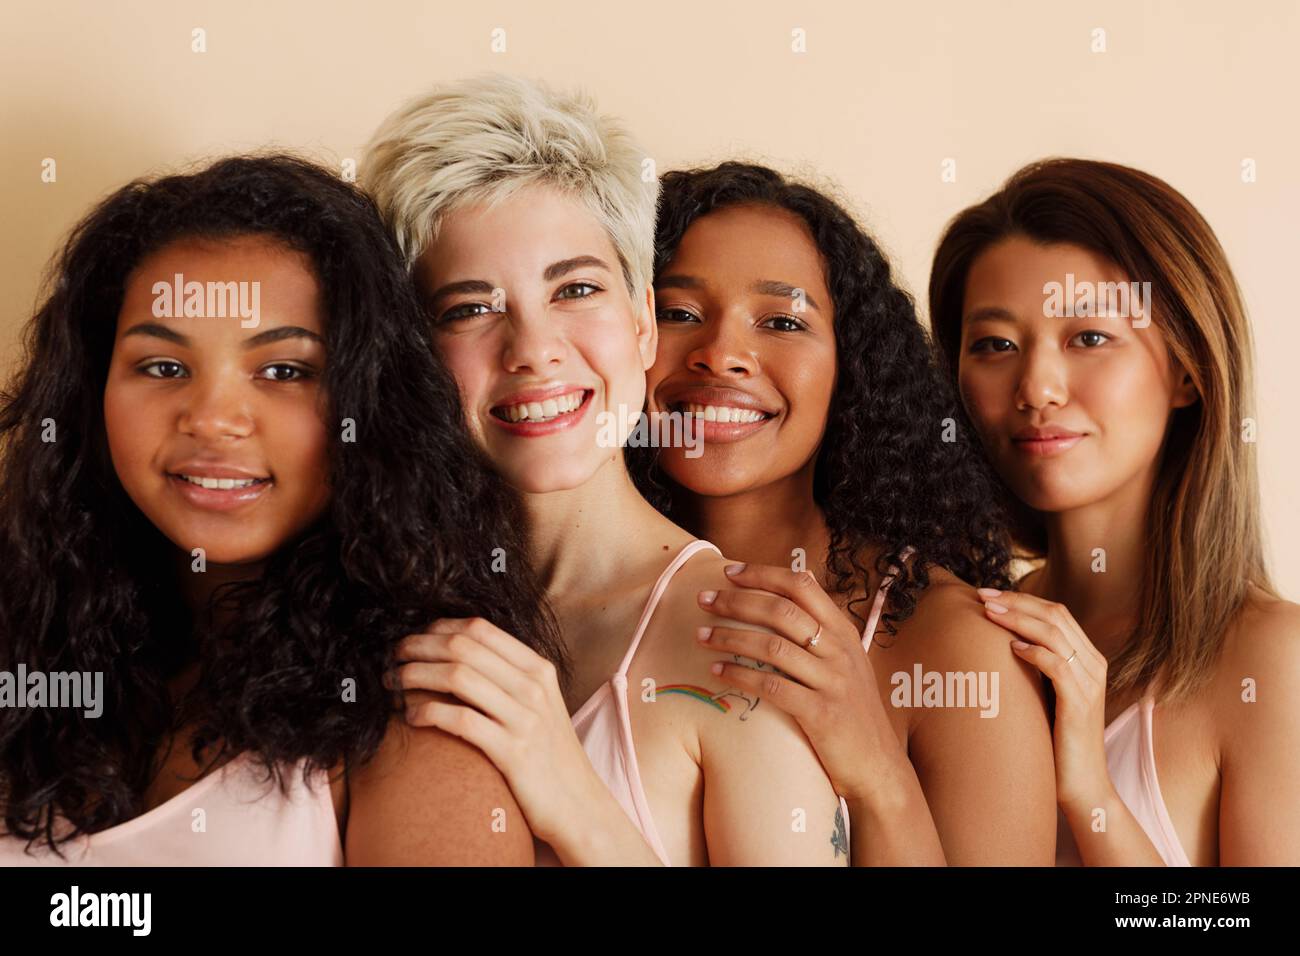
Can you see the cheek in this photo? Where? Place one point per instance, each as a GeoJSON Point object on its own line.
{"type": "Point", "coordinates": [1127, 399]}
{"type": "Point", "coordinates": [984, 395]}
{"type": "Point", "coordinates": [468, 367]}
{"type": "Point", "coordinates": [614, 356]}
{"type": "Point", "coordinates": [134, 427]}
{"type": "Point", "coordinates": [668, 359]}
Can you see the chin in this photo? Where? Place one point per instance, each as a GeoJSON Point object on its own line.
{"type": "Point", "coordinates": [551, 476]}
{"type": "Point", "coordinates": [700, 479]}
{"type": "Point", "coordinates": [1053, 497]}
{"type": "Point", "coordinates": [219, 552]}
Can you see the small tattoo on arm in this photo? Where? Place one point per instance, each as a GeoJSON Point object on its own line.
{"type": "Point", "coordinates": [840, 838]}
{"type": "Point", "coordinates": [719, 700]}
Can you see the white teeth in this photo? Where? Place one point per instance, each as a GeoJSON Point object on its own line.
{"type": "Point", "coordinates": [222, 484]}
{"type": "Point", "coordinates": [542, 411]}
{"type": "Point", "coordinates": [724, 413]}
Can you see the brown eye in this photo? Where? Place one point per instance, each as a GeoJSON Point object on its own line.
{"type": "Point", "coordinates": [283, 372]}
{"type": "Point", "coordinates": [163, 368]}
{"type": "Point", "coordinates": [675, 315]}
{"type": "Point", "coordinates": [993, 343]}
{"type": "Point", "coordinates": [783, 323]}
{"type": "Point", "coordinates": [1091, 338]}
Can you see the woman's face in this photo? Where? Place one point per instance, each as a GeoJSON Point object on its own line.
{"type": "Point", "coordinates": [1070, 409]}
{"type": "Point", "coordinates": [532, 315]}
{"type": "Point", "coordinates": [746, 345]}
{"type": "Point", "coordinates": [215, 429]}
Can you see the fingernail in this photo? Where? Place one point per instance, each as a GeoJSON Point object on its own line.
{"type": "Point", "coordinates": [995, 607]}
{"type": "Point", "coordinates": [703, 633]}
{"type": "Point", "coordinates": [1019, 645]}
{"type": "Point", "coordinates": [708, 597]}
{"type": "Point", "coordinates": [734, 568]}
{"type": "Point", "coordinates": [987, 592]}
{"type": "Point", "coordinates": [716, 668]}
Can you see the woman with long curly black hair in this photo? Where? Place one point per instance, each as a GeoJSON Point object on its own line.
{"type": "Point", "coordinates": [231, 516]}
{"type": "Point", "coordinates": [829, 437]}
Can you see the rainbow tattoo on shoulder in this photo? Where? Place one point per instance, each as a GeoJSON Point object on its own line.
{"type": "Point", "coordinates": [702, 694]}
{"type": "Point", "coordinates": [706, 696]}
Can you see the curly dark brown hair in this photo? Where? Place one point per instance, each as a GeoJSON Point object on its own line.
{"type": "Point", "coordinates": [87, 582]}
{"type": "Point", "coordinates": [898, 467]}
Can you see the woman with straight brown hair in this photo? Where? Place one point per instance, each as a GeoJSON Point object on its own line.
{"type": "Point", "coordinates": [1089, 317]}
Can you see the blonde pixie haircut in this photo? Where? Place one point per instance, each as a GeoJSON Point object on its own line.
{"type": "Point", "coordinates": [481, 139]}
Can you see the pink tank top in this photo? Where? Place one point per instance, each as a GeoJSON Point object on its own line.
{"type": "Point", "coordinates": [604, 725]}
{"type": "Point", "coordinates": [1131, 759]}
{"type": "Point", "coordinates": [246, 821]}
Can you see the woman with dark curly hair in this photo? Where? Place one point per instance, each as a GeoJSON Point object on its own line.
{"type": "Point", "coordinates": [833, 464]}
{"type": "Point", "coordinates": [234, 475]}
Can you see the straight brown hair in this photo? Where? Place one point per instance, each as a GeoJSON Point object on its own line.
{"type": "Point", "coordinates": [1203, 521]}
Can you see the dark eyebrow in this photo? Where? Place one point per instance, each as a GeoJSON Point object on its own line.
{"type": "Point", "coordinates": [782, 289]}
{"type": "Point", "coordinates": [557, 269]}
{"type": "Point", "coordinates": [158, 332]}
{"type": "Point", "coordinates": [763, 286]}
{"type": "Point", "coordinates": [280, 333]}
{"type": "Point", "coordinates": [261, 338]}
{"type": "Point", "coordinates": [456, 288]}
{"type": "Point", "coordinates": [679, 281]}
{"type": "Point", "coordinates": [989, 312]}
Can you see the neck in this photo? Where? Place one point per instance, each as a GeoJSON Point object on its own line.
{"type": "Point", "coordinates": [1113, 531]}
{"type": "Point", "coordinates": [761, 525]}
{"type": "Point", "coordinates": [571, 533]}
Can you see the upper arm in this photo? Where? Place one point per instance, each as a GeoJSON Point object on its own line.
{"type": "Point", "coordinates": [1259, 804]}
{"type": "Point", "coordinates": [767, 800]}
{"type": "Point", "coordinates": [428, 798]}
{"type": "Point", "coordinates": [990, 781]}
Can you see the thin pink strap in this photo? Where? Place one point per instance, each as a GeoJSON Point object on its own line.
{"type": "Point", "coordinates": [656, 593]}
{"type": "Point", "coordinates": [873, 618]}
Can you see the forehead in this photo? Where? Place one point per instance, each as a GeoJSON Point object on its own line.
{"type": "Point", "coordinates": [1015, 269]}
{"type": "Point", "coordinates": [287, 287]}
{"type": "Point", "coordinates": [530, 228]}
{"type": "Point", "coordinates": [744, 242]}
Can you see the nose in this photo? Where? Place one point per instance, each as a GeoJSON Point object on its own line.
{"type": "Point", "coordinates": [216, 410]}
{"type": "Point", "coordinates": [533, 344]}
{"type": "Point", "coordinates": [1042, 380]}
{"type": "Point", "coordinates": [721, 348]}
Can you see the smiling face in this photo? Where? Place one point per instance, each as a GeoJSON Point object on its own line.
{"type": "Point", "coordinates": [216, 430]}
{"type": "Point", "coordinates": [1070, 409]}
{"type": "Point", "coordinates": [533, 317]}
{"type": "Point", "coordinates": [743, 351]}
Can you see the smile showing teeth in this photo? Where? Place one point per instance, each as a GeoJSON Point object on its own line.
{"type": "Point", "coordinates": [723, 413]}
{"type": "Point", "coordinates": [540, 411]}
{"type": "Point", "coordinates": [221, 484]}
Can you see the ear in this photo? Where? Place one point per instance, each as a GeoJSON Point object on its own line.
{"type": "Point", "coordinates": [647, 329]}
{"type": "Point", "coordinates": [1185, 392]}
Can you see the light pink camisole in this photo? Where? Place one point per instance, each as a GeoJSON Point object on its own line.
{"type": "Point", "coordinates": [604, 726]}
{"type": "Point", "coordinates": [1131, 759]}
{"type": "Point", "coordinates": [246, 821]}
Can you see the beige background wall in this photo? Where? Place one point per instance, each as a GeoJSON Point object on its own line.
{"type": "Point", "coordinates": [884, 93]}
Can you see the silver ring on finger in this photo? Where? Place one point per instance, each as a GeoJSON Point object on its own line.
{"type": "Point", "coordinates": [812, 641]}
{"type": "Point", "coordinates": [1070, 659]}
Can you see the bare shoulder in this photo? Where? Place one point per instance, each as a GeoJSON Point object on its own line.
{"type": "Point", "coordinates": [429, 798]}
{"type": "Point", "coordinates": [949, 625]}
{"type": "Point", "coordinates": [681, 665]}
{"type": "Point", "coordinates": [1260, 665]}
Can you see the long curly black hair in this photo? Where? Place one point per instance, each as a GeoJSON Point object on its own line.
{"type": "Point", "coordinates": [87, 583]}
{"type": "Point", "coordinates": [897, 466]}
